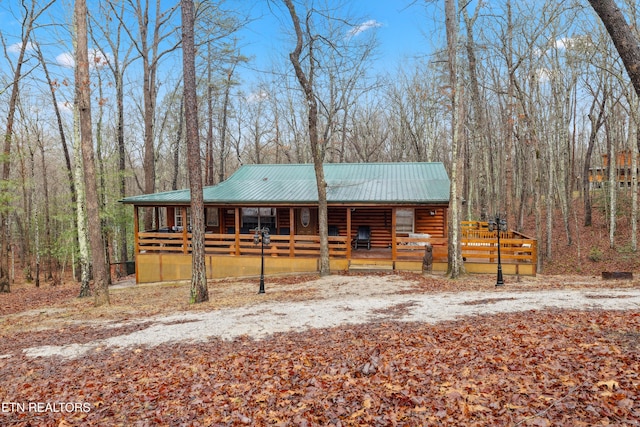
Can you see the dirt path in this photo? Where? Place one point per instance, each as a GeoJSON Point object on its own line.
{"type": "Point", "coordinates": [343, 301]}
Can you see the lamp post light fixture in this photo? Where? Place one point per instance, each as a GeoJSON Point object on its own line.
{"type": "Point", "coordinates": [261, 237]}
{"type": "Point", "coordinates": [499, 225]}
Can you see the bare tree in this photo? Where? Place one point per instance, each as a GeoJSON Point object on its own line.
{"type": "Point", "coordinates": [370, 133]}
{"type": "Point", "coordinates": [256, 129]}
{"type": "Point", "coordinates": [596, 119]}
{"type": "Point", "coordinates": [415, 103]}
{"type": "Point", "coordinates": [81, 211]}
{"type": "Point", "coordinates": [31, 14]}
{"type": "Point", "coordinates": [149, 44]}
{"type": "Point", "coordinates": [482, 148]}
{"type": "Point", "coordinates": [176, 146]}
{"type": "Point", "coordinates": [306, 83]}
{"type": "Point", "coordinates": [634, 184]}
{"type": "Point", "coordinates": [455, 264]}
{"type": "Point", "coordinates": [612, 152]}
{"type": "Point", "coordinates": [208, 156]}
{"type": "Point", "coordinates": [118, 61]}
{"type": "Point", "coordinates": [83, 104]}
{"type": "Point", "coordinates": [199, 292]}
{"type": "Point", "coordinates": [53, 86]}
{"type": "Point", "coordinates": [224, 119]}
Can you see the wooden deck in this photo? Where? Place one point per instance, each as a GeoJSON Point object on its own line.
{"type": "Point", "coordinates": [166, 256]}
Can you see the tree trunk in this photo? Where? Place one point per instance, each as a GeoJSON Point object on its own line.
{"type": "Point", "coordinates": [199, 291]}
{"type": "Point", "coordinates": [25, 220]}
{"type": "Point", "coordinates": [634, 187]}
{"type": "Point", "coordinates": [455, 264]}
{"type": "Point", "coordinates": [34, 213]}
{"type": "Point", "coordinates": [613, 184]}
{"type": "Point", "coordinates": [596, 124]}
{"type": "Point", "coordinates": [122, 170]}
{"type": "Point", "coordinates": [508, 138]}
{"type": "Point", "coordinates": [482, 132]}
{"type": "Point", "coordinates": [550, 200]}
{"type": "Point", "coordinates": [81, 213]}
{"type": "Point", "coordinates": [224, 120]}
{"type": "Point", "coordinates": [105, 229]}
{"type": "Point", "coordinates": [149, 91]}
{"type": "Point", "coordinates": [623, 37]}
{"type": "Point", "coordinates": [208, 159]}
{"type": "Point", "coordinates": [63, 141]}
{"type": "Point", "coordinates": [47, 218]}
{"type": "Point", "coordinates": [306, 83]}
{"type": "Point", "coordinates": [176, 146]}
{"type": "Point", "coordinates": [5, 279]}
{"type": "Point", "coordinates": [118, 61]}
{"type": "Point", "coordinates": [83, 102]}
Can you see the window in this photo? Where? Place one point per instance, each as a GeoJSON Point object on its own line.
{"type": "Point", "coordinates": [211, 217]}
{"type": "Point", "coordinates": [404, 220]}
{"type": "Point", "coordinates": [180, 219]}
{"type": "Point", "coordinates": [258, 217]}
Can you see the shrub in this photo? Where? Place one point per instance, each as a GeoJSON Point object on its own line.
{"type": "Point", "coordinates": [595, 255]}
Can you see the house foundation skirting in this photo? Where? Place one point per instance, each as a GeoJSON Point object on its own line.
{"type": "Point", "coordinates": [176, 267]}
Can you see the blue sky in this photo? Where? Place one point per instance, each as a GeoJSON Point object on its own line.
{"type": "Point", "coordinates": [404, 29]}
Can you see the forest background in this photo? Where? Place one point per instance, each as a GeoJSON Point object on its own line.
{"type": "Point", "coordinates": [541, 95]}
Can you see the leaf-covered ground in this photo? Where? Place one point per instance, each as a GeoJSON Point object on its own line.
{"type": "Point", "coordinates": [578, 368]}
{"type": "Point", "coordinates": [535, 368]}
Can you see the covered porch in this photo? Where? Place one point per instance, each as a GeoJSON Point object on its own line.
{"type": "Point", "coordinates": [387, 237]}
{"type": "Point", "coordinates": [165, 253]}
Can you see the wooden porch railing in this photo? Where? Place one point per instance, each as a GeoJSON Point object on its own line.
{"type": "Point", "coordinates": [281, 245]}
{"type": "Point", "coordinates": [226, 244]}
{"type": "Point", "coordinates": [481, 245]}
{"type": "Point", "coordinates": [412, 248]}
{"type": "Point", "coordinates": [157, 241]}
{"type": "Point", "coordinates": [478, 245]}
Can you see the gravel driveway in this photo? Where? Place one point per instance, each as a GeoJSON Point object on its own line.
{"type": "Point", "coordinates": [344, 301]}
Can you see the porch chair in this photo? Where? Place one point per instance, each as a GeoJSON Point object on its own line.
{"type": "Point", "coordinates": [364, 236]}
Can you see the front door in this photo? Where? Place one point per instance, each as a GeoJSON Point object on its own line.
{"type": "Point", "coordinates": [306, 221]}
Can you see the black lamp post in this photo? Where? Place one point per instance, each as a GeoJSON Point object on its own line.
{"type": "Point", "coordinates": [262, 237]}
{"type": "Point", "coordinates": [499, 225]}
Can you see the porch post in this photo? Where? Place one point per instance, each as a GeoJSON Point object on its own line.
{"type": "Point", "coordinates": [292, 232]}
{"type": "Point", "coordinates": [136, 230]}
{"type": "Point", "coordinates": [237, 224]}
{"type": "Point", "coordinates": [185, 226]}
{"type": "Point", "coordinates": [394, 249]}
{"type": "Point", "coordinates": [348, 233]}
{"type": "Point", "coordinates": [136, 244]}
{"type": "Point", "coordinates": [445, 223]}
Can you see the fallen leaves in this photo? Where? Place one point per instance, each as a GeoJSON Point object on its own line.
{"type": "Point", "coordinates": [534, 368]}
{"type": "Point", "coordinates": [537, 368]}
{"type": "Point", "coordinates": [27, 297]}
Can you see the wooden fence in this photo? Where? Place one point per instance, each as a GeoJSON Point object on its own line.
{"type": "Point", "coordinates": [241, 244]}
{"type": "Point", "coordinates": [478, 244]}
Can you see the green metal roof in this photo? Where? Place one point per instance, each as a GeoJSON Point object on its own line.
{"type": "Point", "coordinates": [390, 183]}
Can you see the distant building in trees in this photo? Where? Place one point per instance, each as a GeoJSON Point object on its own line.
{"type": "Point", "coordinates": [600, 174]}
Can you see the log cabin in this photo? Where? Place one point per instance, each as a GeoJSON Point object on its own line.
{"type": "Point", "coordinates": [380, 217]}
{"type": "Point", "coordinates": [623, 172]}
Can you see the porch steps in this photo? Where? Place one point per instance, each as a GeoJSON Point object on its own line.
{"type": "Point", "coordinates": [362, 265]}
